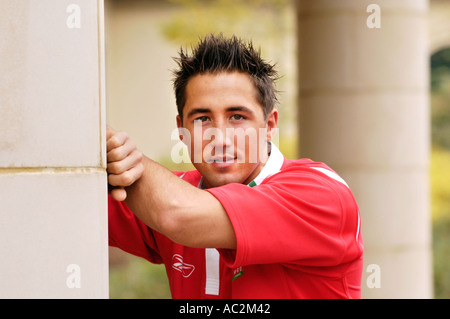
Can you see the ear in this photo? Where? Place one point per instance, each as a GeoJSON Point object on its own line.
{"type": "Point", "coordinates": [180, 128]}
{"type": "Point", "coordinates": [271, 124]}
{"type": "Point", "coordinates": [179, 122]}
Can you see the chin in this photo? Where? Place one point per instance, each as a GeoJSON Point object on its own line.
{"type": "Point", "coordinates": [216, 179]}
{"type": "Point", "coordinates": [219, 176]}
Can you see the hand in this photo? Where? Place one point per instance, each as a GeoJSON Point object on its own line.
{"type": "Point", "coordinates": [124, 163]}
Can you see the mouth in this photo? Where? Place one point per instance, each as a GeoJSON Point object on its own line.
{"type": "Point", "coordinates": [222, 161]}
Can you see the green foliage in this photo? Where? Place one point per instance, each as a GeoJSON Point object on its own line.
{"type": "Point", "coordinates": [440, 117]}
{"type": "Point", "coordinates": [440, 183]}
{"type": "Point", "coordinates": [440, 170]}
{"type": "Point", "coordinates": [138, 279]}
{"type": "Point", "coordinates": [440, 69]}
{"type": "Point", "coordinates": [200, 17]}
{"type": "Point", "coordinates": [440, 200]}
{"type": "Point", "coordinates": [441, 253]}
{"type": "Point", "coordinates": [440, 98]}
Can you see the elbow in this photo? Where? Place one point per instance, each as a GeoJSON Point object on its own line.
{"type": "Point", "coordinates": [173, 224]}
{"type": "Point", "coordinates": [167, 224]}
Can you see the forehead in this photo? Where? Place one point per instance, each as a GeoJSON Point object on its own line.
{"type": "Point", "coordinates": [223, 89]}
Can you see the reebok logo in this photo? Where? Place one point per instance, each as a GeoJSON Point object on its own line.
{"type": "Point", "coordinates": [178, 264]}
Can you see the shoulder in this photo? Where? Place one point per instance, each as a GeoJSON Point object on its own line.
{"type": "Point", "coordinates": [298, 171]}
{"type": "Point", "coordinates": [305, 179]}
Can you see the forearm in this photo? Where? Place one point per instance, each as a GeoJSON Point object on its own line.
{"type": "Point", "coordinates": [151, 198]}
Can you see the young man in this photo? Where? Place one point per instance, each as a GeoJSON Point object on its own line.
{"type": "Point", "coordinates": [247, 223]}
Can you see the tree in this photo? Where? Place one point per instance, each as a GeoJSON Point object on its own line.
{"type": "Point", "coordinates": [440, 98]}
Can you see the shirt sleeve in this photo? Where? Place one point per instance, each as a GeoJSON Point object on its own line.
{"type": "Point", "coordinates": [129, 233]}
{"type": "Point", "coordinates": [296, 217]}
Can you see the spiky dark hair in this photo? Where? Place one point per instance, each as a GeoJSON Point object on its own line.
{"type": "Point", "coordinates": [214, 54]}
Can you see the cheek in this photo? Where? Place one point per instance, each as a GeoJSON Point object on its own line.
{"type": "Point", "coordinates": [194, 142]}
{"type": "Point", "coordinates": [251, 144]}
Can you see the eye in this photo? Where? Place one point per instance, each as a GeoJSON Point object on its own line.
{"type": "Point", "coordinates": [202, 119]}
{"type": "Point", "coordinates": [237, 117]}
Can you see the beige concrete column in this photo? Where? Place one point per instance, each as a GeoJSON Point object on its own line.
{"type": "Point", "coordinates": [53, 213]}
{"type": "Point", "coordinates": [364, 111]}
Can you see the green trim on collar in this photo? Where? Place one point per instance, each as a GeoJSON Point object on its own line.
{"type": "Point", "coordinates": [273, 166]}
{"type": "Point", "coordinates": [252, 183]}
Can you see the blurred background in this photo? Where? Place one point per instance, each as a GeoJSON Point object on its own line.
{"type": "Point", "coordinates": [364, 89]}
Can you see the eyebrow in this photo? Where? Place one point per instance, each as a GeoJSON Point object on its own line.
{"type": "Point", "coordinates": [239, 108]}
{"type": "Point", "coordinates": [197, 111]}
{"type": "Point", "coordinates": [201, 110]}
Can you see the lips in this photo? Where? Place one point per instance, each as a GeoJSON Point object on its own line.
{"type": "Point", "coordinates": [221, 159]}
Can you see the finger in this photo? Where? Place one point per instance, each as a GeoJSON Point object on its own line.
{"type": "Point", "coordinates": [121, 152]}
{"type": "Point", "coordinates": [109, 132]}
{"type": "Point", "coordinates": [116, 140]}
{"type": "Point", "coordinates": [126, 178]}
{"type": "Point", "coordinates": [119, 194]}
{"type": "Point", "coordinates": [119, 167]}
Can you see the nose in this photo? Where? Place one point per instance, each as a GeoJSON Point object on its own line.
{"type": "Point", "coordinates": [221, 139]}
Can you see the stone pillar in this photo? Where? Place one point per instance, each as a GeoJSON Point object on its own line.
{"type": "Point", "coordinates": [53, 213]}
{"type": "Point", "coordinates": [364, 110]}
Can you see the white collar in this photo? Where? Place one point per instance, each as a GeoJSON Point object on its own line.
{"type": "Point", "coordinates": [273, 165]}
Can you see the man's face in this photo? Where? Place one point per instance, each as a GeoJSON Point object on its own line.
{"type": "Point", "coordinates": [228, 132]}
